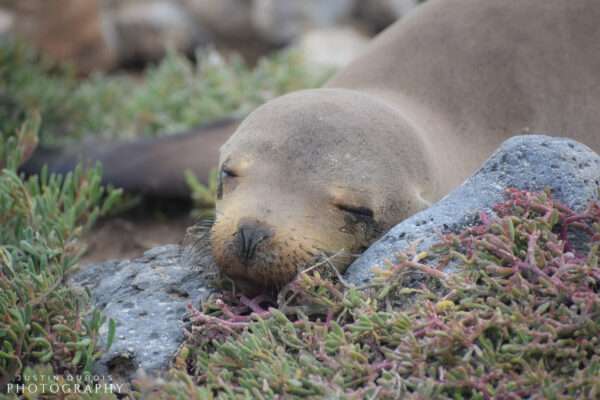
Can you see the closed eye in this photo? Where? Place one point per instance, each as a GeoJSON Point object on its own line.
{"type": "Point", "coordinates": [228, 173]}
{"type": "Point", "coordinates": [356, 210]}
{"type": "Point", "coordinates": [225, 174]}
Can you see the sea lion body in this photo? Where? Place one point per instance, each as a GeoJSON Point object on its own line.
{"type": "Point", "coordinates": [469, 74]}
{"type": "Point", "coordinates": [150, 166]}
{"type": "Point", "coordinates": [324, 172]}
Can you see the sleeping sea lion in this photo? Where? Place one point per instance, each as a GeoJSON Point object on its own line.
{"type": "Point", "coordinates": [324, 172]}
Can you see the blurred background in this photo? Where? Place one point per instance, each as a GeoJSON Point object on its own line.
{"type": "Point", "coordinates": [101, 35]}
{"type": "Point", "coordinates": [92, 72]}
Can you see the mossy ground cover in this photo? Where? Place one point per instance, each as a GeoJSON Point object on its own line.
{"type": "Point", "coordinates": [169, 97]}
{"type": "Point", "coordinates": [44, 323]}
{"type": "Point", "coordinates": [519, 318]}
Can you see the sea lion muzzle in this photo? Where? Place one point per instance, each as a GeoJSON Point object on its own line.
{"type": "Point", "coordinates": [248, 237]}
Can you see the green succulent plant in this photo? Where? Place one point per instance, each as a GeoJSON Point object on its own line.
{"type": "Point", "coordinates": [42, 320]}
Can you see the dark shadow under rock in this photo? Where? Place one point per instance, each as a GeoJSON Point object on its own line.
{"type": "Point", "coordinates": [531, 162]}
{"type": "Point", "coordinates": [147, 297]}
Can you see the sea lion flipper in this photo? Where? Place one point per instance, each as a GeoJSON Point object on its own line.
{"type": "Point", "coordinates": [150, 166]}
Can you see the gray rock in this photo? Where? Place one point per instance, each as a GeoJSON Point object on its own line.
{"type": "Point", "coordinates": [6, 22]}
{"type": "Point", "coordinates": [71, 31]}
{"type": "Point", "coordinates": [281, 21]}
{"type": "Point", "coordinates": [229, 19]}
{"type": "Point", "coordinates": [378, 14]}
{"type": "Point", "coordinates": [532, 162]}
{"type": "Point", "coordinates": [315, 46]}
{"type": "Point", "coordinates": [147, 297]}
{"type": "Point", "coordinates": [145, 29]}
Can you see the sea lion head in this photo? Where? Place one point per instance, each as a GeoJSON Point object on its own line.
{"type": "Point", "coordinates": [309, 175]}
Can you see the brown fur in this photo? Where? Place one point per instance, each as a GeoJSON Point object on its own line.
{"type": "Point", "coordinates": [405, 123]}
{"type": "Point", "coordinates": [472, 73]}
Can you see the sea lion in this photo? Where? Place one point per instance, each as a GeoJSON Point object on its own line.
{"type": "Point", "coordinates": [71, 31]}
{"type": "Point", "coordinates": [324, 172]}
{"type": "Point", "coordinates": [150, 166]}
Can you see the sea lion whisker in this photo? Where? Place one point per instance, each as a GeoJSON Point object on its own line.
{"type": "Point", "coordinates": [338, 274]}
{"type": "Point", "coordinates": [323, 261]}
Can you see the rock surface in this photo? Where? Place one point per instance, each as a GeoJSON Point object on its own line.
{"type": "Point", "coordinates": [102, 34]}
{"type": "Point", "coordinates": [147, 298]}
{"type": "Point", "coordinates": [532, 162]}
{"type": "Point", "coordinates": [146, 29]}
{"type": "Point", "coordinates": [71, 31]}
{"type": "Point", "coordinates": [230, 19]}
{"type": "Point", "coordinates": [316, 46]}
{"type": "Point", "coordinates": [6, 23]}
{"type": "Point", "coordinates": [378, 14]}
{"type": "Point", "coordinates": [281, 21]}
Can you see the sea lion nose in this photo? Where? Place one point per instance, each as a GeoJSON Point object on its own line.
{"type": "Point", "coordinates": [249, 236]}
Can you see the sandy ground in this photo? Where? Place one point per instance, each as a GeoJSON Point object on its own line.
{"type": "Point", "coordinates": [128, 237]}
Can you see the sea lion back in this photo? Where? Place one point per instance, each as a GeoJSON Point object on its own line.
{"type": "Point", "coordinates": [489, 70]}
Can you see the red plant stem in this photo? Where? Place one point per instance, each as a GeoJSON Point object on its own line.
{"type": "Point", "coordinates": [199, 316]}
{"type": "Point", "coordinates": [424, 268]}
{"type": "Point", "coordinates": [254, 305]}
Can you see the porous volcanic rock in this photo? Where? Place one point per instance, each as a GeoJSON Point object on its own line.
{"type": "Point", "coordinates": [529, 162]}
{"type": "Point", "coordinates": [147, 297]}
